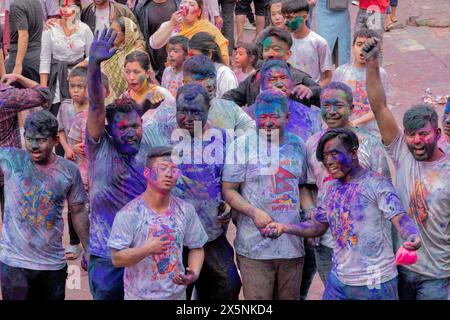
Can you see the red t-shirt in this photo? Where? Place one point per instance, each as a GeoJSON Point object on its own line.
{"type": "Point", "coordinates": [382, 4]}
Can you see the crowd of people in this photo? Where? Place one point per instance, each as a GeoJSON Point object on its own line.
{"type": "Point", "coordinates": [155, 129]}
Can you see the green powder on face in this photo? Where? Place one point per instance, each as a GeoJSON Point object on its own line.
{"type": "Point", "coordinates": [294, 24]}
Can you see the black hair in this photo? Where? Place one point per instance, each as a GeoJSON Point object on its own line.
{"type": "Point", "coordinates": [43, 122]}
{"type": "Point", "coordinates": [79, 72]}
{"type": "Point", "coordinates": [252, 51]}
{"type": "Point", "coordinates": [271, 96]}
{"type": "Point", "coordinates": [200, 66]}
{"type": "Point", "coordinates": [122, 105]}
{"type": "Point", "coordinates": [364, 33]}
{"type": "Point", "coordinates": [182, 40]}
{"type": "Point", "coordinates": [207, 44]}
{"type": "Point", "coordinates": [276, 32]}
{"type": "Point", "coordinates": [121, 22]}
{"type": "Point", "coordinates": [347, 137]}
{"type": "Point", "coordinates": [158, 152]}
{"type": "Point", "coordinates": [294, 6]}
{"type": "Point", "coordinates": [418, 116]}
{"type": "Point", "coordinates": [269, 64]}
{"type": "Point", "coordinates": [336, 85]}
{"type": "Point", "coordinates": [140, 57]}
{"type": "Point", "coordinates": [191, 90]}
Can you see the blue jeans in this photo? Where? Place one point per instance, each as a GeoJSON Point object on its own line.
{"type": "Point", "coordinates": [414, 286]}
{"type": "Point", "coordinates": [336, 290]}
{"type": "Point", "coordinates": [324, 262]}
{"type": "Point", "coordinates": [105, 280]}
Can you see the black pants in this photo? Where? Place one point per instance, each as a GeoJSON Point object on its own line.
{"type": "Point", "coordinates": [219, 278]}
{"type": "Point", "coordinates": [30, 65]}
{"type": "Point", "coordinates": [227, 11]}
{"type": "Point", "coordinates": [26, 284]}
{"type": "Point", "coordinates": [2, 200]}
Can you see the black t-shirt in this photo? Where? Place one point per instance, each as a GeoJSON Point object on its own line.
{"type": "Point", "coordinates": [150, 16]}
{"type": "Point", "coordinates": [26, 15]}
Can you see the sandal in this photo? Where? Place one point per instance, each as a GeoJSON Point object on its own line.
{"type": "Point", "coordinates": [72, 252]}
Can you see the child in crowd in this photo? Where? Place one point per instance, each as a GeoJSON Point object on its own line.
{"type": "Point", "coordinates": [354, 75]}
{"type": "Point", "coordinates": [310, 52]}
{"type": "Point", "coordinates": [245, 60]}
{"type": "Point", "coordinates": [177, 52]}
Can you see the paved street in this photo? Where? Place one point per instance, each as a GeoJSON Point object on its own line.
{"type": "Point", "coordinates": [415, 58]}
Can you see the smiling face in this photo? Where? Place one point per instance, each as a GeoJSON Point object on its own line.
{"type": "Point", "coordinates": [126, 132]}
{"type": "Point", "coordinates": [338, 161]}
{"type": "Point", "coordinates": [271, 118]}
{"type": "Point", "coordinates": [422, 143]}
{"type": "Point", "coordinates": [135, 76]}
{"type": "Point", "coordinates": [162, 174]}
{"type": "Point", "coordinates": [276, 18]}
{"type": "Point", "coordinates": [335, 108]}
{"type": "Point", "coordinates": [191, 111]}
{"type": "Point", "coordinates": [277, 78]}
{"type": "Point", "coordinates": [274, 48]}
{"type": "Point", "coordinates": [78, 89]}
{"type": "Point", "coordinates": [40, 147]}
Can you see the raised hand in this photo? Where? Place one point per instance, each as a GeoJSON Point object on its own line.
{"type": "Point", "coordinates": [370, 49]}
{"type": "Point", "coordinates": [157, 245]}
{"type": "Point", "coordinates": [301, 91]}
{"type": "Point", "coordinates": [102, 46]}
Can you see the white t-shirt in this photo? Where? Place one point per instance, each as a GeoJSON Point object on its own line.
{"type": "Point", "coordinates": [311, 54]}
{"type": "Point", "coordinates": [101, 19]}
{"type": "Point", "coordinates": [225, 80]}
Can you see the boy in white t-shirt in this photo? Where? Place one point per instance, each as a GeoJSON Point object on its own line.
{"type": "Point", "coordinates": [310, 52]}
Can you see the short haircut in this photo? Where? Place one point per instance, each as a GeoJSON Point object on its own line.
{"type": "Point", "coordinates": [347, 137]}
{"type": "Point", "coordinates": [336, 85]}
{"type": "Point", "coordinates": [43, 122]}
{"type": "Point", "coordinates": [271, 96]}
{"type": "Point", "coordinates": [181, 40]}
{"type": "Point", "coordinates": [294, 6]}
{"type": "Point", "coordinates": [206, 44]}
{"type": "Point", "coordinates": [252, 51]}
{"type": "Point", "coordinates": [269, 64]}
{"type": "Point", "coordinates": [140, 57]}
{"type": "Point", "coordinates": [158, 152]}
{"type": "Point", "coordinates": [364, 33]}
{"type": "Point", "coordinates": [79, 72]}
{"type": "Point", "coordinates": [276, 32]}
{"type": "Point", "coordinates": [200, 67]}
{"type": "Point", "coordinates": [191, 90]}
{"type": "Point", "coordinates": [418, 116]}
{"type": "Point", "coordinates": [122, 105]}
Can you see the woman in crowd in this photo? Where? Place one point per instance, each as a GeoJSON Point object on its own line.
{"type": "Point", "coordinates": [127, 41]}
{"type": "Point", "coordinates": [64, 46]}
{"type": "Point", "coordinates": [188, 21]}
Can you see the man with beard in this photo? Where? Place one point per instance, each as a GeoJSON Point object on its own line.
{"type": "Point", "coordinates": [423, 184]}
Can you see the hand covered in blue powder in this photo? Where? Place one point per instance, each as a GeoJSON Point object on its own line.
{"type": "Point", "coordinates": [413, 242]}
{"type": "Point", "coordinates": [102, 46]}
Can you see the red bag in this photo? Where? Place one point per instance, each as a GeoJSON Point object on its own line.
{"type": "Point", "coordinates": [405, 256]}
